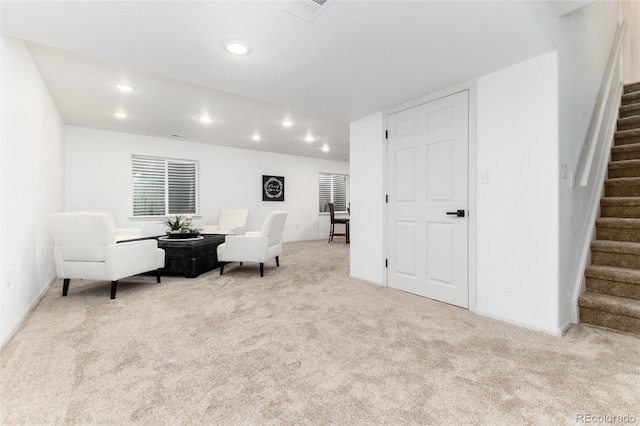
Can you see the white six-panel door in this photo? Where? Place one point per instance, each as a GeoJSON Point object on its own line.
{"type": "Point", "coordinates": [427, 173]}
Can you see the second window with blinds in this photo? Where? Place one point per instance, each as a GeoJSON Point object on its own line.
{"type": "Point", "coordinates": [332, 189]}
{"type": "Point", "coordinates": [164, 186]}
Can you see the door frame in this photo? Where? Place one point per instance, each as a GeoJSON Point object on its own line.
{"type": "Point", "coordinates": [469, 86]}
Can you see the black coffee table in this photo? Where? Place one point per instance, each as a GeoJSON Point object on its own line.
{"type": "Point", "coordinates": [190, 257]}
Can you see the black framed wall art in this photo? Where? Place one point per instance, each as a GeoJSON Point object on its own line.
{"type": "Point", "coordinates": [272, 188]}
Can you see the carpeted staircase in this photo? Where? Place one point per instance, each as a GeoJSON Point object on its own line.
{"type": "Point", "coordinates": [612, 298]}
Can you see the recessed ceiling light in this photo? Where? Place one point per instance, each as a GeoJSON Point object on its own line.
{"type": "Point", "coordinates": [309, 138]}
{"type": "Point", "coordinates": [256, 137]}
{"type": "Point", "coordinates": [120, 114]}
{"type": "Point", "coordinates": [124, 87]}
{"type": "Point", "coordinates": [237, 47]}
{"type": "Point", "coordinates": [205, 119]}
{"type": "Point", "coordinates": [325, 148]}
{"type": "Point", "coordinates": [287, 123]}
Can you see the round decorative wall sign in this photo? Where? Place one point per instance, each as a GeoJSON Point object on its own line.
{"type": "Point", "coordinates": [272, 188]}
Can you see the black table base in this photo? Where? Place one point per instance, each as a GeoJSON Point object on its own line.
{"type": "Point", "coordinates": [191, 257]}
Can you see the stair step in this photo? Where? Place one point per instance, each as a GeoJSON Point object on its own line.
{"type": "Point", "coordinates": [610, 311]}
{"type": "Point", "coordinates": [627, 137]}
{"type": "Point", "coordinates": [621, 282]}
{"type": "Point", "coordinates": [631, 87]}
{"type": "Point", "coordinates": [612, 298]}
{"type": "Point", "coordinates": [629, 110]}
{"type": "Point", "coordinates": [628, 123]}
{"type": "Point", "coordinates": [625, 152]}
{"type": "Point", "coordinates": [614, 304]}
{"type": "Point", "coordinates": [620, 207]}
{"type": "Point", "coordinates": [624, 168]}
{"type": "Point", "coordinates": [631, 98]}
{"type": "Point", "coordinates": [618, 229]}
{"type": "Point", "coordinates": [622, 187]}
{"type": "Point", "coordinates": [623, 254]}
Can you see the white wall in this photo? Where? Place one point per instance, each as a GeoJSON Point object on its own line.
{"type": "Point", "coordinates": [631, 11]}
{"type": "Point", "coordinates": [516, 212]}
{"type": "Point", "coordinates": [98, 168]}
{"type": "Point", "coordinates": [367, 195]}
{"type": "Point", "coordinates": [562, 7]}
{"type": "Point", "coordinates": [584, 39]}
{"type": "Point", "coordinates": [32, 184]}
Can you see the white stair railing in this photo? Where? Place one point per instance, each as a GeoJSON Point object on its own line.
{"type": "Point", "coordinates": [613, 81]}
{"type": "Point", "coordinates": [600, 142]}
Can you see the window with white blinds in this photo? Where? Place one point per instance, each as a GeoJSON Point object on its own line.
{"type": "Point", "coordinates": [332, 189]}
{"type": "Point", "coordinates": [163, 186]}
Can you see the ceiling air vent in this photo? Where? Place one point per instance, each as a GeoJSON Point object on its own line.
{"type": "Point", "coordinates": [305, 9]}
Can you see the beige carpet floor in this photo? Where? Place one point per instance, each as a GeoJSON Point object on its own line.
{"type": "Point", "coordinates": [306, 344]}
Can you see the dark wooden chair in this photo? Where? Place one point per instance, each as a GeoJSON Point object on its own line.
{"type": "Point", "coordinates": [334, 222]}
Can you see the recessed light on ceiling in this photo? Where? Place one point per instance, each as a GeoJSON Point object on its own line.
{"type": "Point", "coordinates": [325, 148]}
{"type": "Point", "coordinates": [287, 123]}
{"type": "Point", "coordinates": [124, 88]}
{"type": "Point", "coordinates": [236, 47]}
{"type": "Point", "coordinates": [120, 114]}
{"type": "Point", "coordinates": [309, 138]}
{"type": "Point", "coordinates": [205, 119]}
{"type": "Point", "coordinates": [256, 137]}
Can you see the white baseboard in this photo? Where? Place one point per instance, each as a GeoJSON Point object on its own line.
{"type": "Point", "coordinates": [566, 327]}
{"type": "Point", "coordinates": [366, 280]}
{"type": "Point", "coordinates": [21, 318]}
{"type": "Point", "coordinates": [558, 332]}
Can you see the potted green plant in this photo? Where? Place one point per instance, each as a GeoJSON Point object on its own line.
{"type": "Point", "coordinates": [180, 227]}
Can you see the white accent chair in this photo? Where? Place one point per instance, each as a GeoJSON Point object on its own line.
{"type": "Point", "coordinates": [124, 234]}
{"type": "Point", "coordinates": [85, 247]}
{"type": "Point", "coordinates": [258, 246]}
{"type": "Point", "coordinates": [231, 221]}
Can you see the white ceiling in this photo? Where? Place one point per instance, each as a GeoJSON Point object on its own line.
{"type": "Point", "coordinates": [354, 59]}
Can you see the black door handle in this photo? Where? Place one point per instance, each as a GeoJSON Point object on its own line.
{"type": "Point", "coordinates": [458, 213]}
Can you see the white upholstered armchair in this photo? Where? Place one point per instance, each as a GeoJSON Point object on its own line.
{"type": "Point", "coordinates": [231, 221]}
{"type": "Point", "coordinates": [258, 246]}
{"type": "Point", "coordinates": [85, 247]}
{"type": "Point", "coordinates": [122, 234]}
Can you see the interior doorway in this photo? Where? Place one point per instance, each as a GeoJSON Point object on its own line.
{"type": "Point", "coordinates": [428, 199]}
